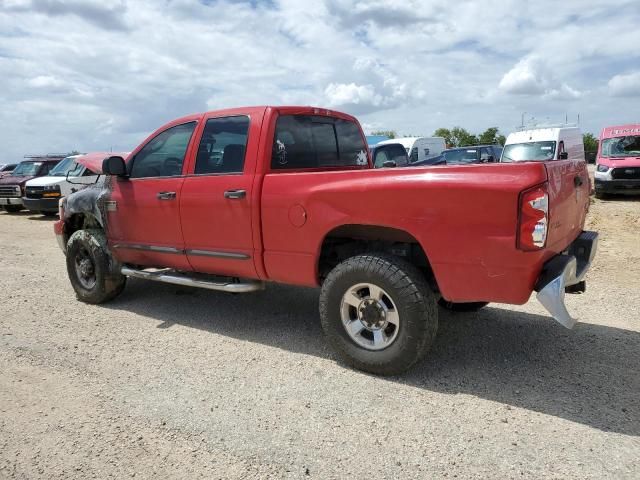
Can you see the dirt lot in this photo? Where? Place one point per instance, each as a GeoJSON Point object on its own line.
{"type": "Point", "coordinates": [178, 383]}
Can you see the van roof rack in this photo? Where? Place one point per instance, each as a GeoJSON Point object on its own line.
{"type": "Point", "coordinates": [538, 126]}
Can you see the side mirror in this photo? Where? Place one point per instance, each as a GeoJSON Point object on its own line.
{"type": "Point", "coordinates": [114, 166]}
{"type": "Point", "coordinates": [389, 164]}
{"type": "Point", "coordinates": [563, 156]}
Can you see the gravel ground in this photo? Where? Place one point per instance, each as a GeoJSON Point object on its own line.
{"type": "Point", "coordinates": [179, 383]}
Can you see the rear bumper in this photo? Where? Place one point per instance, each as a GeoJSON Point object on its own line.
{"type": "Point", "coordinates": [628, 186]}
{"type": "Point", "coordinates": [41, 204]}
{"type": "Point", "coordinates": [565, 270]}
{"type": "Point", "coordinates": [10, 201]}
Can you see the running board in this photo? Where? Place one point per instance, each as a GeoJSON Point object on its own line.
{"type": "Point", "coordinates": [170, 276]}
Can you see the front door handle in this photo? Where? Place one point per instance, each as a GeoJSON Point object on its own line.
{"type": "Point", "coordinates": [235, 194]}
{"type": "Point", "coordinates": [577, 181]}
{"type": "Point", "coordinates": [166, 195]}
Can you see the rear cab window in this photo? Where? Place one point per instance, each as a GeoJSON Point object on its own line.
{"type": "Point", "coordinates": [317, 142]}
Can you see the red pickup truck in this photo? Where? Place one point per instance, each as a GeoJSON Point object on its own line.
{"type": "Point", "coordinates": [233, 199]}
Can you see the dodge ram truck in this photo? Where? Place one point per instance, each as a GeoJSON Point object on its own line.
{"type": "Point", "coordinates": [233, 199]}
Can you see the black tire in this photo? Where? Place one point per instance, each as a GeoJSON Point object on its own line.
{"type": "Point", "coordinates": [12, 208]}
{"type": "Point", "coordinates": [92, 272]}
{"type": "Point", "coordinates": [411, 297]}
{"type": "Point", "coordinates": [600, 195]}
{"type": "Point", "coordinates": [462, 307]}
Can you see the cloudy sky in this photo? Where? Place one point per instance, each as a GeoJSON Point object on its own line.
{"type": "Point", "coordinates": [101, 74]}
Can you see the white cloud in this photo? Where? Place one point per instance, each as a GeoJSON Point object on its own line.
{"type": "Point", "coordinates": [625, 85]}
{"type": "Point", "coordinates": [341, 94]}
{"type": "Point", "coordinates": [531, 76]}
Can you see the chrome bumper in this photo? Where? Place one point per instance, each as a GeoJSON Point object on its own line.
{"type": "Point", "coordinates": [563, 271]}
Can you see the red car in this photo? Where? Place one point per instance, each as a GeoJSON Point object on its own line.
{"type": "Point", "coordinates": [234, 199]}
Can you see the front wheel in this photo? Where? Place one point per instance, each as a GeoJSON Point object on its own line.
{"type": "Point", "coordinates": [92, 273]}
{"type": "Point", "coordinates": [600, 195]}
{"type": "Point", "coordinates": [378, 313]}
{"type": "Point", "coordinates": [12, 208]}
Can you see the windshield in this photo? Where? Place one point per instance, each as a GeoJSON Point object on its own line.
{"type": "Point", "coordinates": [27, 169]}
{"type": "Point", "coordinates": [466, 155]}
{"type": "Point", "coordinates": [522, 152]}
{"type": "Point", "coordinates": [66, 166]}
{"type": "Point", "coordinates": [621, 147]}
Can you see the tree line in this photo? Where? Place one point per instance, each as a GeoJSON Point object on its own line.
{"type": "Point", "coordinates": [460, 137]}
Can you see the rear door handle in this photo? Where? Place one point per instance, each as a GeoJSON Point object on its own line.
{"type": "Point", "coordinates": [235, 194]}
{"type": "Point", "coordinates": [577, 181]}
{"type": "Point", "coordinates": [166, 195]}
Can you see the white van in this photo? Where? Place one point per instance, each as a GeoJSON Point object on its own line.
{"type": "Point", "coordinates": [544, 143]}
{"type": "Point", "coordinates": [41, 195]}
{"type": "Point", "coordinates": [419, 148]}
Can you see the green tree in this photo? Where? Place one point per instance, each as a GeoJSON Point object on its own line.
{"type": "Point", "coordinates": [491, 136]}
{"type": "Point", "coordinates": [462, 138]}
{"type": "Point", "coordinates": [444, 133]}
{"type": "Point", "coordinates": [590, 142]}
{"type": "Point", "coordinates": [386, 133]}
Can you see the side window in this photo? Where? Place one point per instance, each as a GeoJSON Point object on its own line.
{"type": "Point", "coordinates": [561, 152]}
{"type": "Point", "coordinates": [393, 152]}
{"type": "Point", "coordinates": [305, 141]}
{"type": "Point", "coordinates": [222, 147]}
{"type": "Point", "coordinates": [163, 156]}
{"type": "Point", "coordinates": [413, 156]}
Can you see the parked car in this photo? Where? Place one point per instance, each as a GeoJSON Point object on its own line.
{"type": "Point", "coordinates": [6, 169]}
{"type": "Point", "coordinates": [419, 149]}
{"type": "Point", "coordinates": [618, 161]}
{"type": "Point", "coordinates": [43, 194]}
{"type": "Point", "coordinates": [389, 155]}
{"type": "Point", "coordinates": [544, 143]}
{"type": "Point", "coordinates": [12, 186]}
{"type": "Point", "coordinates": [233, 199]}
{"type": "Point", "coordinates": [467, 155]}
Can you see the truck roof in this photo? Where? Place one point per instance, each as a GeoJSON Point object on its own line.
{"type": "Point", "coordinates": [539, 134]}
{"type": "Point", "coordinates": [621, 130]}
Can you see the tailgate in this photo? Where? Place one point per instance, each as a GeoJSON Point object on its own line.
{"type": "Point", "coordinates": [568, 201]}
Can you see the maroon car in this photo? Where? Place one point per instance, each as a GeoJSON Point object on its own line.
{"type": "Point", "coordinates": [12, 186]}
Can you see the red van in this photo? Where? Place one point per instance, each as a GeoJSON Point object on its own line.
{"type": "Point", "coordinates": [618, 161]}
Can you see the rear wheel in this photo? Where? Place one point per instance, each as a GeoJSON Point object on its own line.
{"type": "Point", "coordinates": [12, 208]}
{"type": "Point", "coordinates": [378, 313]}
{"type": "Point", "coordinates": [462, 307]}
{"type": "Point", "coordinates": [92, 273]}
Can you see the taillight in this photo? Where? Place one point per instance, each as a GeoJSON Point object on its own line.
{"type": "Point", "coordinates": [534, 219]}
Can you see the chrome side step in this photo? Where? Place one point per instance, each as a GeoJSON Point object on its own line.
{"type": "Point", "coordinates": [171, 276]}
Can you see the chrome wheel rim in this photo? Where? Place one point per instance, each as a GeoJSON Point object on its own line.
{"type": "Point", "coordinates": [85, 269]}
{"type": "Point", "coordinates": [369, 316]}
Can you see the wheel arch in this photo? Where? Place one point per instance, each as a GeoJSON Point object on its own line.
{"type": "Point", "coordinates": [348, 240]}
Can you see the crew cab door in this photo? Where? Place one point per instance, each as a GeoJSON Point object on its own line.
{"type": "Point", "coordinates": [143, 216]}
{"type": "Point", "coordinates": [568, 199]}
{"type": "Point", "coordinates": [217, 198]}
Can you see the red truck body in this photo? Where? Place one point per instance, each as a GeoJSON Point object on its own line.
{"type": "Point", "coordinates": [465, 220]}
